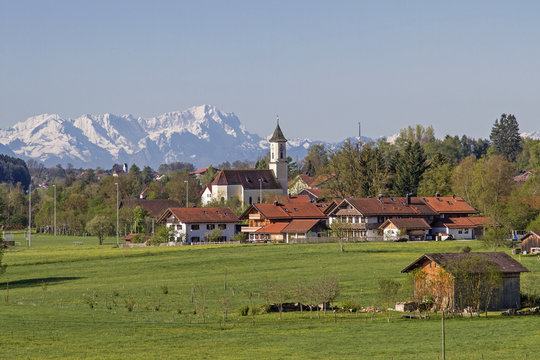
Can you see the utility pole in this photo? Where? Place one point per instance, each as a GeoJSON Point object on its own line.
{"type": "Point", "coordinates": [187, 193]}
{"type": "Point", "coordinates": [30, 215]}
{"type": "Point", "coordinates": [443, 342]}
{"type": "Point", "coordinates": [260, 191]}
{"type": "Point", "coordinates": [117, 218]}
{"type": "Point", "coordinates": [54, 187]}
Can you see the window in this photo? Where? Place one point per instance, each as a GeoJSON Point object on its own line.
{"type": "Point", "coordinates": [222, 226]}
{"type": "Point", "coordinates": [210, 226]}
{"type": "Point", "coordinates": [466, 231]}
{"type": "Point", "coordinates": [195, 227]}
{"type": "Point", "coordinates": [460, 231]}
{"type": "Point", "coordinates": [250, 200]}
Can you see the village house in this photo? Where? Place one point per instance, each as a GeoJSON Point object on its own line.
{"type": "Point", "coordinates": [450, 275]}
{"type": "Point", "coordinates": [530, 243]}
{"type": "Point", "coordinates": [362, 217]}
{"type": "Point", "coordinates": [252, 186]}
{"type": "Point", "coordinates": [193, 225]}
{"type": "Point", "coordinates": [282, 221]}
{"type": "Point", "coordinates": [410, 229]}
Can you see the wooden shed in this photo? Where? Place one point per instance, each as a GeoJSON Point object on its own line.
{"type": "Point", "coordinates": [448, 275]}
{"type": "Point", "coordinates": [530, 243]}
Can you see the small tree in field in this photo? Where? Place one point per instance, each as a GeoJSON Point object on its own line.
{"type": "Point", "coordinates": [214, 235]}
{"type": "Point", "coordinates": [388, 292]}
{"type": "Point", "coordinates": [339, 229]}
{"type": "Point", "coordinates": [99, 226]}
{"type": "Point", "coordinates": [2, 266]}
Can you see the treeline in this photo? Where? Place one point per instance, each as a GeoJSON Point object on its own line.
{"type": "Point", "coordinates": [14, 171]}
{"type": "Point", "coordinates": [481, 171]}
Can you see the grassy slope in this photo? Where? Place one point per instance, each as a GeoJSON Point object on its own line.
{"type": "Point", "coordinates": [58, 322]}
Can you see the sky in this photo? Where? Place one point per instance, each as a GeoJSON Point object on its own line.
{"type": "Point", "coordinates": [321, 66]}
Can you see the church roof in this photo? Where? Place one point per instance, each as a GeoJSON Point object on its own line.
{"type": "Point", "coordinates": [249, 179]}
{"type": "Point", "coordinates": [278, 135]}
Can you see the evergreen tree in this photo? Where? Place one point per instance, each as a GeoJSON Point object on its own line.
{"type": "Point", "coordinates": [505, 137]}
{"type": "Point", "coordinates": [410, 167]}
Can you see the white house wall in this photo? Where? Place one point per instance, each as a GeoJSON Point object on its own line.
{"type": "Point", "coordinates": [229, 232]}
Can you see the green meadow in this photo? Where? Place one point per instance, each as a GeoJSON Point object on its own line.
{"type": "Point", "coordinates": [61, 300]}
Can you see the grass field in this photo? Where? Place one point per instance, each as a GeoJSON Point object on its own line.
{"type": "Point", "coordinates": [46, 311]}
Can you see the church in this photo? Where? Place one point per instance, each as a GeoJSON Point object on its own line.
{"type": "Point", "coordinates": [249, 185]}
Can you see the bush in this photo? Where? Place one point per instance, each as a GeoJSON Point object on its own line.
{"type": "Point", "coordinates": [164, 289]}
{"type": "Point", "coordinates": [241, 237]}
{"type": "Point", "coordinates": [466, 249]}
{"type": "Point", "coordinates": [244, 310]}
{"type": "Point", "coordinates": [351, 306]}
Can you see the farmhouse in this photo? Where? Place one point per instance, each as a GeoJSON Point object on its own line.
{"type": "Point", "coordinates": [408, 228]}
{"type": "Point", "coordinates": [530, 243]}
{"type": "Point", "coordinates": [249, 185]}
{"type": "Point", "coordinates": [194, 225]}
{"type": "Point", "coordinates": [364, 216]}
{"type": "Point", "coordinates": [457, 276]}
{"type": "Point", "coordinates": [282, 221]}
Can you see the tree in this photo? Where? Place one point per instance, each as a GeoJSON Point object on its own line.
{"type": "Point", "coordinates": [437, 178]}
{"type": "Point", "coordinates": [316, 160]}
{"type": "Point", "coordinates": [505, 137]}
{"type": "Point", "coordinates": [2, 266]}
{"type": "Point", "coordinates": [208, 176]}
{"type": "Point", "coordinates": [99, 226]}
{"type": "Point", "coordinates": [140, 215]}
{"type": "Point", "coordinates": [410, 166]}
{"type": "Point", "coordinates": [340, 229]}
{"type": "Point", "coordinates": [345, 164]}
{"type": "Point", "coordinates": [214, 235]}
{"type": "Point", "coordinates": [388, 291]}
{"type": "Point", "coordinates": [494, 237]}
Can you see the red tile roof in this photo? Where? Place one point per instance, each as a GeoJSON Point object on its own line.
{"type": "Point", "coordinates": [449, 205]}
{"type": "Point", "coordinates": [201, 215]}
{"type": "Point", "coordinates": [407, 223]}
{"type": "Point", "coordinates": [249, 179]}
{"type": "Point", "coordinates": [301, 225]}
{"type": "Point", "coordinates": [274, 228]}
{"type": "Point", "coordinates": [466, 222]}
{"type": "Point", "coordinates": [294, 210]}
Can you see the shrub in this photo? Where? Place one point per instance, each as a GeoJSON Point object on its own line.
{"type": "Point", "coordinates": [129, 304]}
{"type": "Point", "coordinates": [244, 310]}
{"type": "Point", "coordinates": [466, 249]}
{"type": "Point", "coordinates": [164, 289]}
{"type": "Point", "coordinates": [351, 306]}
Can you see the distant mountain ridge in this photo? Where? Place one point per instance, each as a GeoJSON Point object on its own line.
{"type": "Point", "coordinates": [202, 135]}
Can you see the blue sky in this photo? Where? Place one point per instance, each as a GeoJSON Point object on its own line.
{"type": "Point", "coordinates": [320, 66]}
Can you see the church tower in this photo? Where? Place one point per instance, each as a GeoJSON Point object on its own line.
{"type": "Point", "coordinates": [278, 157]}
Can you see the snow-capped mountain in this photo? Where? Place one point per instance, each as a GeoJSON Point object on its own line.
{"type": "Point", "coordinates": [535, 135]}
{"type": "Point", "coordinates": [201, 135]}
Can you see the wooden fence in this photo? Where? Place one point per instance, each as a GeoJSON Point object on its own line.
{"type": "Point", "coordinates": [332, 239]}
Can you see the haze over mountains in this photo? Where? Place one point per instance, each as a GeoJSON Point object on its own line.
{"type": "Point", "coordinates": [202, 135]}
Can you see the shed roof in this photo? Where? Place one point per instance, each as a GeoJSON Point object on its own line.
{"type": "Point", "coordinates": [448, 261]}
{"type": "Point", "coordinates": [301, 225]}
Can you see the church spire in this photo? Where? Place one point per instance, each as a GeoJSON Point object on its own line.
{"type": "Point", "coordinates": [278, 134]}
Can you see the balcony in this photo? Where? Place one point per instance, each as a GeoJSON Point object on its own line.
{"type": "Point", "coordinates": [249, 229]}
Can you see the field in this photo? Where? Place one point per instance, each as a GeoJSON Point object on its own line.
{"type": "Point", "coordinates": [60, 300]}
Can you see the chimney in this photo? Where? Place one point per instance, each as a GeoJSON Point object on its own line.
{"type": "Point", "coordinates": [437, 194]}
{"type": "Point", "coordinates": [275, 203]}
{"type": "Point", "coordinates": [380, 198]}
{"type": "Point", "coordinates": [454, 196]}
{"type": "Point", "coordinates": [408, 199]}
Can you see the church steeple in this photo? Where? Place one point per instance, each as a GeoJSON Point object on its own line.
{"type": "Point", "coordinates": [278, 157]}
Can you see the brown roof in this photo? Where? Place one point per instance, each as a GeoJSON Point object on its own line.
{"type": "Point", "coordinates": [318, 193]}
{"type": "Point", "coordinates": [504, 262]}
{"type": "Point", "coordinates": [277, 135]}
{"type": "Point", "coordinates": [535, 234]}
{"type": "Point", "coordinates": [274, 228]}
{"type": "Point", "coordinates": [466, 222]}
{"type": "Point", "coordinates": [154, 207]}
{"type": "Point", "coordinates": [201, 215]}
{"type": "Point", "coordinates": [249, 179]}
{"type": "Point", "coordinates": [449, 205]}
{"type": "Point", "coordinates": [290, 198]}
{"type": "Point", "coordinates": [390, 206]}
{"type": "Point", "coordinates": [300, 225]}
{"type": "Point", "coordinates": [407, 223]}
{"type": "Point", "coordinates": [294, 210]}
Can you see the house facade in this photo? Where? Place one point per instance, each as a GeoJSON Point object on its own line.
{"type": "Point", "coordinates": [193, 225]}
{"type": "Point", "coordinates": [530, 243]}
{"type": "Point", "coordinates": [281, 221]}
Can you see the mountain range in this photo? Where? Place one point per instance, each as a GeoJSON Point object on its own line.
{"type": "Point", "coordinates": [201, 135]}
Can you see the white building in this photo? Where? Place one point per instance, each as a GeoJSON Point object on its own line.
{"type": "Point", "coordinates": [193, 225]}
{"type": "Point", "coordinates": [252, 186]}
